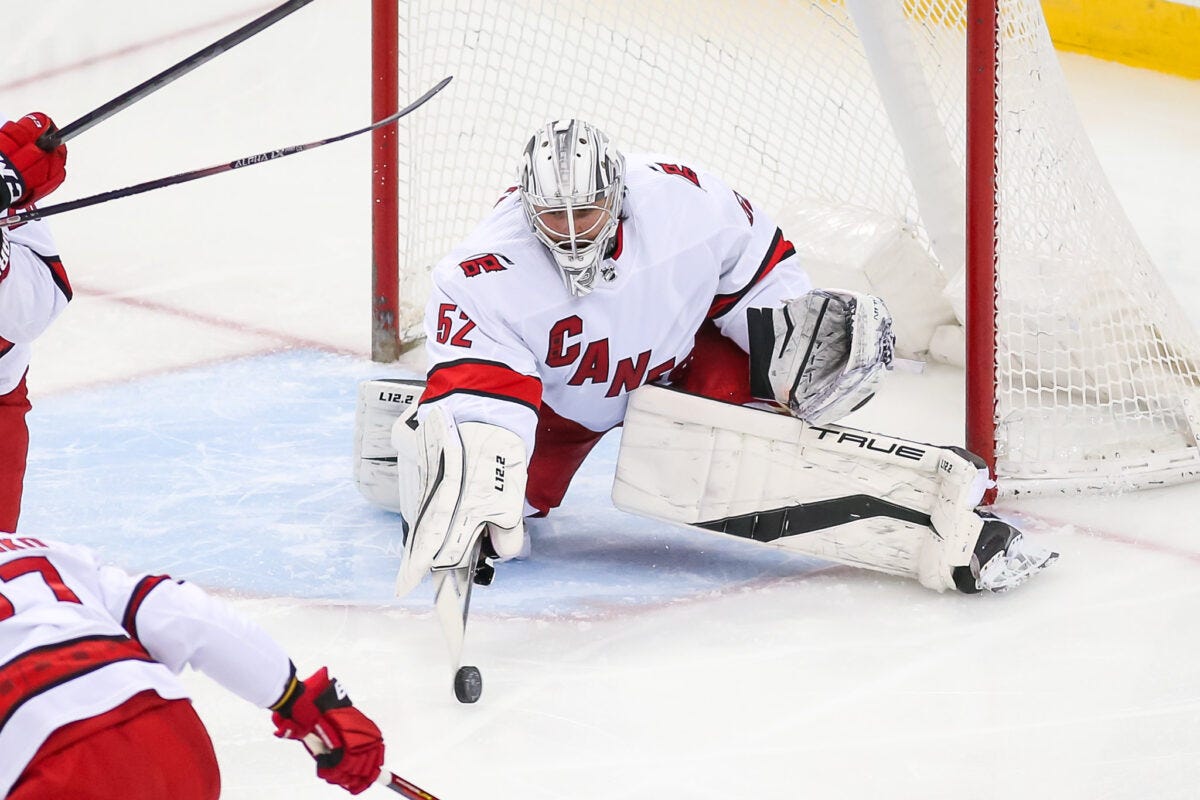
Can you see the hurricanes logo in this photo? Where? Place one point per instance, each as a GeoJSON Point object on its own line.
{"type": "Point", "coordinates": [681, 171]}
{"type": "Point", "coordinates": [484, 262]}
{"type": "Point", "coordinates": [503, 196]}
{"type": "Point", "coordinates": [746, 207]}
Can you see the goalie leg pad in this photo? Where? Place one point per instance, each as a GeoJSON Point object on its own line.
{"type": "Point", "coordinates": [380, 403]}
{"type": "Point", "coordinates": [859, 498]}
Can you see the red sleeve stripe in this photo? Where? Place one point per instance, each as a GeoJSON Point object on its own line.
{"type": "Point", "coordinates": [143, 588]}
{"type": "Point", "coordinates": [780, 249]}
{"type": "Point", "coordinates": [59, 273]}
{"type": "Point", "coordinates": [38, 670]}
{"type": "Point", "coordinates": [484, 379]}
{"type": "Point", "coordinates": [5, 346]}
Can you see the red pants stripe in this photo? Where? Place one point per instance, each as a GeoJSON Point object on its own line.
{"type": "Point", "coordinates": [716, 368]}
{"type": "Point", "coordinates": [14, 450]}
{"type": "Point", "coordinates": [147, 748]}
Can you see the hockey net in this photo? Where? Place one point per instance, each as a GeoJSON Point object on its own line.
{"type": "Point", "coordinates": [847, 121]}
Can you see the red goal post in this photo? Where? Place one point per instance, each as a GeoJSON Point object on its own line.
{"type": "Point", "coordinates": [385, 205]}
{"type": "Point", "coordinates": [924, 150]}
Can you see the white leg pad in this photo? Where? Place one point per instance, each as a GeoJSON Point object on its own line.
{"type": "Point", "coordinates": [380, 404]}
{"type": "Point", "coordinates": [859, 498]}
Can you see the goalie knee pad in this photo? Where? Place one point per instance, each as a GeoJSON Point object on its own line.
{"type": "Point", "coordinates": [380, 403]}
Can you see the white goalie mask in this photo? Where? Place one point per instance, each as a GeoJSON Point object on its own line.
{"type": "Point", "coordinates": [571, 182]}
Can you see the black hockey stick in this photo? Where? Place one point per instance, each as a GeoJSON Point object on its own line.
{"type": "Point", "coordinates": [51, 140]}
{"type": "Point", "coordinates": [184, 177]}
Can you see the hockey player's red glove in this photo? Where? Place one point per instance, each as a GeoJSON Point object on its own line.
{"type": "Point", "coordinates": [352, 747]}
{"type": "Point", "coordinates": [27, 172]}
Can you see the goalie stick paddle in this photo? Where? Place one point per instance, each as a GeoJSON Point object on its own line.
{"type": "Point", "coordinates": [184, 177]}
{"type": "Point", "coordinates": [49, 141]}
{"type": "Point", "coordinates": [391, 780]}
{"type": "Point", "coordinates": [452, 602]}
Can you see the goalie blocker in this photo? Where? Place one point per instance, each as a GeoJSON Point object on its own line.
{"type": "Point", "coordinates": [887, 504]}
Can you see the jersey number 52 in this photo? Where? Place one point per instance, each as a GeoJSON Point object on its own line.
{"type": "Point", "coordinates": [452, 328]}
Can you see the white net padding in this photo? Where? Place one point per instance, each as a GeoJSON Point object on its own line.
{"type": "Point", "coordinates": [846, 121]}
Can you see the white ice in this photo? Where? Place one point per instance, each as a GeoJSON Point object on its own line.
{"type": "Point", "coordinates": [193, 411]}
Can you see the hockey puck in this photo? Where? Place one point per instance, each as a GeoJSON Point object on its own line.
{"type": "Point", "coordinates": [468, 684]}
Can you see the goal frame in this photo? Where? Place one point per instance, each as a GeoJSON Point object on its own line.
{"type": "Point", "coordinates": [966, 231]}
{"type": "Point", "coordinates": [982, 159]}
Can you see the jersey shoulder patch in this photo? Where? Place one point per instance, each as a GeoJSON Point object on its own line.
{"type": "Point", "coordinates": [481, 263]}
{"type": "Point", "coordinates": [679, 170]}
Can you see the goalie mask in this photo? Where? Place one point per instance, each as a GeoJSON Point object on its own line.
{"type": "Point", "coordinates": [571, 182]}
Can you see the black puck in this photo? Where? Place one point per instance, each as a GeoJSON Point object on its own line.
{"type": "Point", "coordinates": [468, 684]}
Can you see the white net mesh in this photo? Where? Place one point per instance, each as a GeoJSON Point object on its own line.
{"type": "Point", "coordinates": [856, 106]}
{"type": "Point", "coordinates": [1097, 366]}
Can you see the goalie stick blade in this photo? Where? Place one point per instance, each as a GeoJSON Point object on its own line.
{"type": "Point", "coordinates": [452, 600]}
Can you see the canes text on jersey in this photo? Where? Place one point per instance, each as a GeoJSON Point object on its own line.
{"type": "Point", "coordinates": [593, 360]}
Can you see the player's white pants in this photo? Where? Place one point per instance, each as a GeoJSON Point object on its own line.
{"type": "Point", "coordinates": [850, 496]}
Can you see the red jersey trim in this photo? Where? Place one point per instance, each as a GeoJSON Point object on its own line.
{"type": "Point", "coordinates": [42, 668]}
{"type": "Point", "coordinates": [59, 273]}
{"type": "Point", "coordinates": [780, 249]}
{"type": "Point", "coordinates": [484, 379]}
{"type": "Point", "coordinates": [5, 346]}
{"type": "Point", "coordinates": [138, 596]}
{"type": "Point", "coordinates": [619, 240]}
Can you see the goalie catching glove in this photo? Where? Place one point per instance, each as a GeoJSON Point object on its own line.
{"type": "Point", "coordinates": [350, 753]}
{"type": "Point", "coordinates": [458, 481]}
{"type": "Point", "coordinates": [820, 355]}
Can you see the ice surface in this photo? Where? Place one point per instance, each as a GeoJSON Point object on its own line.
{"type": "Point", "coordinates": [193, 411]}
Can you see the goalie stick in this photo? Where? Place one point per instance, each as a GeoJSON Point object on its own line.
{"type": "Point", "coordinates": [391, 780]}
{"type": "Point", "coordinates": [452, 600]}
{"type": "Point", "coordinates": [184, 177]}
{"type": "Point", "coordinates": [52, 139]}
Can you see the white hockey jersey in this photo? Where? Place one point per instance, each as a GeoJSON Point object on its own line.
{"type": "Point", "coordinates": [504, 335]}
{"type": "Point", "coordinates": [34, 289]}
{"type": "Point", "coordinates": [78, 639]}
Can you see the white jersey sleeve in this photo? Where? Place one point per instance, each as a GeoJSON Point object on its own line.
{"type": "Point", "coordinates": [33, 285]}
{"type": "Point", "coordinates": [480, 370]}
{"type": "Point", "coordinates": [181, 625]}
{"type": "Point", "coordinates": [78, 639]}
{"type": "Point", "coordinates": [759, 266]}
{"type": "Point", "coordinates": [34, 290]}
{"type": "Point", "coordinates": [178, 623]}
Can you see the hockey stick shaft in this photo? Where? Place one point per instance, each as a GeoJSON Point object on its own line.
{"type": "Point", "coordinates": [49, 141]}
{"type": "Point", "coordinates": [391, 780]}
{"type": "Point", "coordinates": [452, 600]}
{"type": "Point", "coordinates": [184, 177]}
